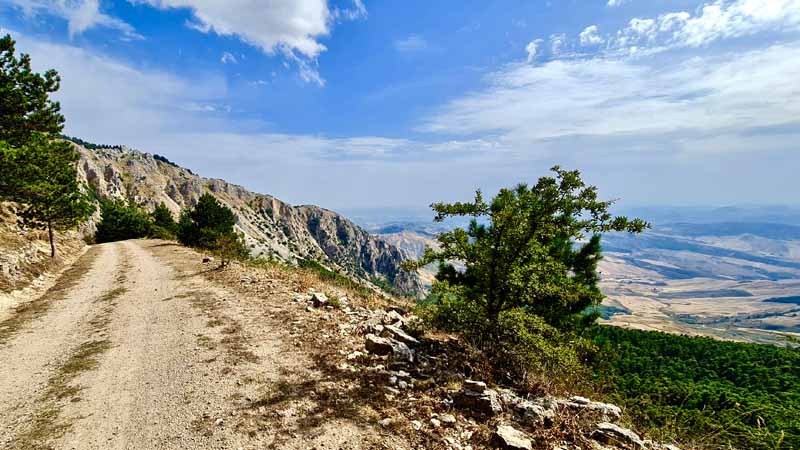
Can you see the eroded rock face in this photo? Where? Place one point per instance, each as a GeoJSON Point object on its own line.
{"type": "Point", "coordinates": [272, 228]}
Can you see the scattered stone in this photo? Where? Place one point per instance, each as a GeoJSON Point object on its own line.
{"type": "Point", "coordinates": [416, 424]}
{"type": "Point", "coordinates": [609, 433]}
{"type": "Point", "coordinates": [436, 423]}
{"type": "Point", "coordinates": [396, 333]}
{"type": "Point", "coordinates": [509, 438]}
{"type": "Point", "coordinates": [354, 355]}
{"type": "Point", "coordinates": [383, 346]}
{"type": "Point", "coordinates": [448, 419]}
{"type": "Point", "coordinates": [484, 403]}
{"type": "Point", "coordinates": [392, 317]}
{"type": "Point", "coordinates": [208, 259]}
{"type": "Point", "coordinates": [610, 412]}
{"type": "Point", "coordinates": [532, 413]}
{"type": "Point", "coordinates": [474, 386]}
{"type": "Point", "coordinates": [398, 309]}
{"type": "Point", "coordinates": [319, 299]}
{"type": "Point", "coordinates": [385, 422]}
{"type": "Point", "coordinates": [219, 422]}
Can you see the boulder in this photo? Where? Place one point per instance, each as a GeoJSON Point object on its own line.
{"type": "Point", "coordinates": [486, 403]}
{"type": "Point", "coordinates": [393, 317]}
{"type": "Point", "coordinates": [509, 438]}
{"type": "Point", "coordinates": [394, 332]}
{"type": "Point", "coordinates": [608, 411]}
{"type": "Point", "coordinates": [540, 412]}
{"type": "Point", "coordinates": [384, 346]}
{"type": "Point", "coordinates": [448, 419]}
{"type": "Point", "coordinates": [474, 386]}
{"type": "Point", "coordinates": [533, 414]}
{"type": "Point", "coordinates": [319, 299]}
{"type": "Point", "coordinates": [609, 433]}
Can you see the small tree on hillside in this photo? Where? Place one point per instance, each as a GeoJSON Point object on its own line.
{"type": "Point", "coordinates": [163, 223]}
{"type": "Point", "coordinates": [230, 247]}
{"type": "Point", "coordinates": [205, 223]}
{"type": "Point", "coordinates": [536, 249]}
{"type": "Point", "coordinates": [47, 186]}
{"type": "Point", "coordinates": [35, 171]}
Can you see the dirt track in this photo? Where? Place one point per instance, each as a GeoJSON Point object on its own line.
{"type": "Point", "coordinates": [134, 349]}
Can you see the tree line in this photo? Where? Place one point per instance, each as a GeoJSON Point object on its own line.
{"type": "Point", "coordinates": [711, 393]}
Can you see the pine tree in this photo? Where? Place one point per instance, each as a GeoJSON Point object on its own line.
{"type": "Point", "coordinates": [50, 194]}
{"type": "Point", "coordinates": [535, 249]}
{"type": "Point", "coordinates": [25, 105]}
{"type": "Point", "coordinates": [205, 223]}
{"type": "Point", "coordinates": [163, 220]}
{"type": "Point", "coordinates": [35, 171]}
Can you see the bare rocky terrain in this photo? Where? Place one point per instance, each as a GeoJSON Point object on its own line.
{"type": "Point", "coordinates": [149, 345]}
{"type": "Point", "coordinates": [272, 228]}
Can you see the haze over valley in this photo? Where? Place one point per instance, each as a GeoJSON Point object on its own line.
{"type": "Point", "coordinates": [700, 271]}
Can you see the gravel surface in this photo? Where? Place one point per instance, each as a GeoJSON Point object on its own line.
{"type": "Point", "coordinates": [134, 348]}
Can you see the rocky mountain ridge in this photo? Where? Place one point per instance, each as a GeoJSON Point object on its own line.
{"type": "Point", "coordinates": [272, 228]}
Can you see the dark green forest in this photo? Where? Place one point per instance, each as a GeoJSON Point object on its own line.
{"type": "Point", "coordinates": [712, 393]}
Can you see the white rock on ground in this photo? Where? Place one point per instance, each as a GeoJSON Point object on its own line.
{"type": "Point", "coordinates": [509, 438]}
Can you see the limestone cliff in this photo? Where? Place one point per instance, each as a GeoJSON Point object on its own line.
{"type": "Point", "coordinates": [272, 228]}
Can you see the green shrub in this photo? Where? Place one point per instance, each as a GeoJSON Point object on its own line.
{"type": "Point", "coordinates": [230, 247]}
{"type": "Point", "coordinates": [523, 348]}
{"type": "Point", "coordinates": [202, 225]}
{"type": "Point", "coordinates": [164, 225]}
{"type": "Point", "coordinates": [120, 221]}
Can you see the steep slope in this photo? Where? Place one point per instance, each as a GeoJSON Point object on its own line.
{"type": "Point", "coordinates": [272, 228]}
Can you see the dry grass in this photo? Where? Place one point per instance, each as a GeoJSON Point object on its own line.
{"type": "Point", "coordinates": [15, 241]}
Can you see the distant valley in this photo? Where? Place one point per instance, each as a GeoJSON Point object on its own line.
{"type": "Point", "coordinates": [734, 279]}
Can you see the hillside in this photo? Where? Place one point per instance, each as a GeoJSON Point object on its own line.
{"type": "Point", "coordinates": [272, 228]}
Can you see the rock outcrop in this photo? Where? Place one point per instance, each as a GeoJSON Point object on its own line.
{"type": "Point", "coordinates": [272, 228]}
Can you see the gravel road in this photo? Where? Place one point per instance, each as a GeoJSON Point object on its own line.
{"type": "Point", "coordinates": [133, 348]}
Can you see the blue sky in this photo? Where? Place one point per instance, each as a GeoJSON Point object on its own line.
{"type": "Point", "coordinates": [351, 104]}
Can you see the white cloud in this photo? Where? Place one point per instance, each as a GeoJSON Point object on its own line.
{"type": "Point", "coordinates": [558, 43]}
{"type": "Point", "coordinates": [292, 28]}
{"type": "Point", "coordinates": [228, 58]}
{"type": "Point", "coordinates": [412, 43]}
{"type": "Point", "coordinates": [615, 3]}
{"type": "Point", "coordinates": [589, 36]}
{"type": "Point", "coordinates": [712, 22]}
{"type": "Point", "coordinates": [271, 25]}
{"type": "Point", "coordinates": [185, 120]}
{"type": "Point", "coordinates": [532, 49]}
{"type": "Point", "coordinates": [81, 15]}
{"type": "Point", "coordinates": [608, 97]}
